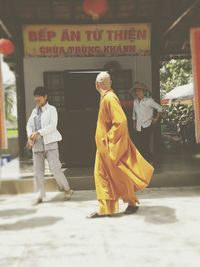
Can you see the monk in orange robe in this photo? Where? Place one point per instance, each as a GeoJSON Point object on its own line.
{"type": "Point", "coordinates": [120, 170]}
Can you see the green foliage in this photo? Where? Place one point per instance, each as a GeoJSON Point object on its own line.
{"type": "Point", "coordinates": [10, 91]}
{"type": "Point", "coordinates": [175, 73]}
{"type": "Point", "coordinates": [179, 114]}
{"type": "Point", "coordinates": [12, 133]}
{"type": "Point", "coordinates": [178, 119]}
{"type": "Point", "coordinates": [178, 127]}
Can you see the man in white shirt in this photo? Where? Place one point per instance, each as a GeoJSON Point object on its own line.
{"type": "Point", "coordinates": [143, 119]}
{"type": "Point", "coordinates": [43, 138]}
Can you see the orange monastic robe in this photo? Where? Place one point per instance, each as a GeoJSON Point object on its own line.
{"type": "Point", "coordinates": [120, 169]}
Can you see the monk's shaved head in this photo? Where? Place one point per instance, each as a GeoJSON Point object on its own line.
{"type": "Point", "coordinates": [104, 78]}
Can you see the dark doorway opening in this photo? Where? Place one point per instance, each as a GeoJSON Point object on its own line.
{"type": "Point", "coordinates": [81, 109]}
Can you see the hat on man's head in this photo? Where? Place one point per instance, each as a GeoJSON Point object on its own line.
{"type": "Point", "coordinates": [139, 85]}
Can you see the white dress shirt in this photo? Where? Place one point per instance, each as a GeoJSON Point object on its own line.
{"type": "Point", "coordinates": [49, 121]}
{"type": "Point", "coordinates": [143, 112]}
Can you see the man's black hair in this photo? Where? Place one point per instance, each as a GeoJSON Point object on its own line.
{"type": "Point", "coordinates": [40, 91]}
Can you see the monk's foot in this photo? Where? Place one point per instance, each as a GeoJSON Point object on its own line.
{"type": "Point", "coordinates": [95, 215]}
{"type": "Point", "coordinates": [131, 209]}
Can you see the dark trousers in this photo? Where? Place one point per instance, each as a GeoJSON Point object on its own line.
{"type": "Point", "coordinates": [142, 141]}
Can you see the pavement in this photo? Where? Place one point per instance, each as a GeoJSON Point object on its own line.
{"type": "Point", "coordinates": [164, 232]}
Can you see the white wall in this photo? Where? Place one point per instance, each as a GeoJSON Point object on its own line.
{"type": "Point", "coordinates": [34, 68]}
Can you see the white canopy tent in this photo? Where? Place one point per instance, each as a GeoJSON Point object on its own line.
{"type": "Point", "coordinates": [182, 92]}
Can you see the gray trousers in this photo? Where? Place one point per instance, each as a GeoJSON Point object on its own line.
{"type": "Point", "coordinates": [54, 166]}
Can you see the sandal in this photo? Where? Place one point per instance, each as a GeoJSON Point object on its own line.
{"type": "Point", "coordinates": [68, 194]}
{"type": "Point", "coordinates": [131, 209]}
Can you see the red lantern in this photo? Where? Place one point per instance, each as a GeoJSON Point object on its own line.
{"type": "Point", "coordinates": [95, 8]}
{"type": "Point", "coordinates": [6, 47]}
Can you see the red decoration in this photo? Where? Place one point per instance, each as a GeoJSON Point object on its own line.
{"type": "Point", "coordinates": [95, 8]}
{"type": "Point", "coordinates": [6, 47]}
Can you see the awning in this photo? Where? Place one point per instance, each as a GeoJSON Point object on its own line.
{"type": "Point", "coordinates": [185, 91]}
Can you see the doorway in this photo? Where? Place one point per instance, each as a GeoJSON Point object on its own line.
{"type": "Point", "coordinates": [74, 95]}
{"type": "Point", "coordinates": [81, 110]}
